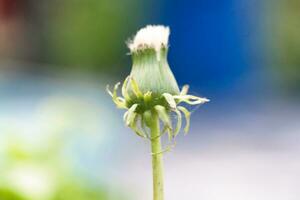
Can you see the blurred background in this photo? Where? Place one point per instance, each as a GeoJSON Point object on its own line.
{"type": "Point", "coordinates": [61, 137]}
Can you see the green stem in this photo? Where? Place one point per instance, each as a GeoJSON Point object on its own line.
{"type": "Point", "coordinates": [157, 159]}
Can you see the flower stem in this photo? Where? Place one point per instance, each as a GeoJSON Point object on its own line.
{"type": "Point", "coordinates": [157, 159]}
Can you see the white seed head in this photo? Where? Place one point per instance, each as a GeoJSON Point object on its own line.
{"type": "Point", "coordinates": [151, 36]}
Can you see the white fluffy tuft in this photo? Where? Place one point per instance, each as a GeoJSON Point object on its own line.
{"type": "Point", "coordinates": [151, 36]}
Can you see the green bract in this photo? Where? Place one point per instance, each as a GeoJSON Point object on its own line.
{"type": "Point", "coordinates": [152, 73]}
{"type": "Point", "coordinates": [151, 87]}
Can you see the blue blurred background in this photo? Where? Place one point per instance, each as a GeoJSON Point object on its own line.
{"type": "Point", "coordinates": [61, 137]}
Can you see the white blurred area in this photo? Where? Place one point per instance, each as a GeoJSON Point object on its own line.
{"type": "Point", "coordinates": [248, 152]}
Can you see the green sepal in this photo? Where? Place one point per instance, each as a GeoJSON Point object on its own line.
{"type": "Point", "coordinates": [170, 100]}
{"type": "Point", "coordinates": [119, 101]}
{"type": "Point", "coordinates": [184, 90]}
{"type": "Point", "coordinates": [147, 116]}
{"type": "Point", "coordinates": [190, 99]}
{"type": "Point", "coordinates": [124, 89]}
{"type": "Point", "coordinates": [148, 97]}
{"type": "Point", "coordinates": [179, 122]}
{"type": "Point", "coordinates": [164, 116]}
{"type": "Point", "coordinates": [135, 128]}
{"type": "Point", "coordinates": [131, 115]}
{"type": "Point", "coordinates": [135, 88]}
{"type": "Point", "coordinates": [187, 115]}
{"type": "Point", "coordinates": [151, 71]}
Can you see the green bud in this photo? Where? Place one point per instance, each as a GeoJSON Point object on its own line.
{"type": "Point", "coordinates": [151, 89]}
{"type": "Point", "coordinates": [151, 71]}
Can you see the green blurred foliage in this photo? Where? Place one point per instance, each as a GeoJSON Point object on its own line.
{"type": "Point", "coordinates": [66, 192]}
{"type": "Point", "coordinates": [285, 41]}
{"type": "Point", "coordinates": [80, 192]}
{"type": "Point", "coordinates": [8, 194]}
{"type": "Point", "coordinates": [90, 34]}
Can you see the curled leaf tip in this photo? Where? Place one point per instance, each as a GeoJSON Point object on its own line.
{"type": "Point", "coordinates": [108, 90]}
{"type": "Point", "coordinates": [140, 107]}
{"type": "Point", "coordinates": [184, 90]}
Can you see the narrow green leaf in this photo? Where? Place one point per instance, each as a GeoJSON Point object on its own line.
{"type": "Point", "coordinates": [148, 97]}
{"type": "Point", "coordinates": [108, 91]}
{"type": "Point", "coordinates": [125, 116]}
{"type": "Point", "coordinates": [187, 115]}
{"type": "Point", "coordinates": [131, 114]}
{"type": "Point", "coordinates": [163, 115]}
{"type": "Point", "coordinates": [169, 98]}
{"type": "Point", "coordinates": [135, 88]}
{"type": "Point", "coordinates": [124, 89]}
{"type": "Point", "coordinates": [184, 90]}
{"type": "Point", "coordinates": [179, 122]}
{"type": "Point", "coordinates": [119, 101]}
{"type": "Point", "coordinates": [190, 99]}
{"type": "Point", "coordinates": [133, 126]}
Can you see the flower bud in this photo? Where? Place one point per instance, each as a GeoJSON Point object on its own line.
{"type": "Point", "coordinates": [150, 68]}
{"type": "Point", "coordinates": [151, 89]}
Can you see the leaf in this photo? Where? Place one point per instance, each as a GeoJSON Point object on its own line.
{"type": "Point", "coordinates": [190, 99]}
{"type": "Point", "coordinates": [135, 88]}
{"type": "Point", "coordinates": [148, 97]}
{"type": "Point", "coordinates": [131, 114]}
{"type": "Point", "coordinates": [125, 116]}
{"type": "Point", "coordinates": [184, 90]}
{"type": "Point", "coordinates": [187, 115]}
{"type": "Point", "coordinates": [134, 127]}
{"type": "Point", "coordinates": [169, 98]}
{"type": "Point", "coordinates": [108, 91]}
{"type": "Point", "coordinates": [119, 101]}
{"type": "Point", "coordinates": [124, 89]}
{"type": "Point", "coordinates": [163, 115]}
{"type": "Point", "coordinates": [143, 126]}
{"type": "Point", "coordinates": [179, 122]}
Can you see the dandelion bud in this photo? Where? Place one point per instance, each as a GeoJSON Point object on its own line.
{"type": "Point", "coordinates": [151, 88]}
{"type": "Point", "coordinates": [150, 69]}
